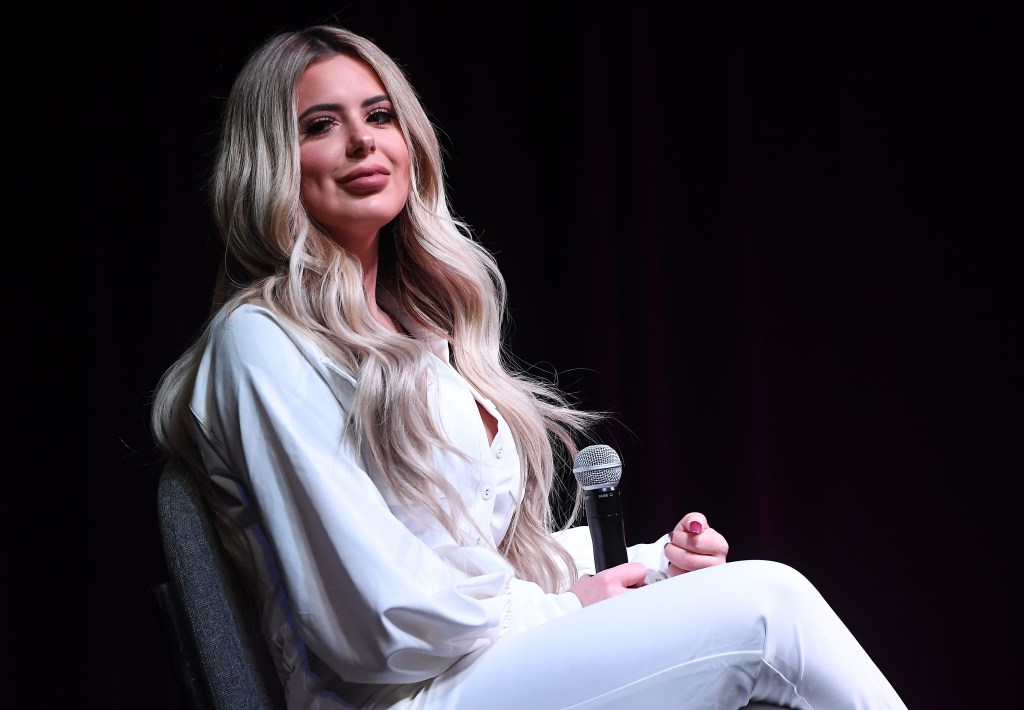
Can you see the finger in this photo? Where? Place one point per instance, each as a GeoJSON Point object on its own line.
{"type": "Point", "coordinates": [689, 561]}
{"type": "Point", "coordinates": [626, 574]}
{"type": "Point", "coordinates": [673, 570]}
{"type": "Point", "coordinates": [693, 523]}
{"type": "Point", "coordinates": [620, 576]}
{"type": "Point", "coordinates": [708, 542]}
{"type": "Point", "coordinates": [692, 563]}
{"type": "Point", "coordinates": [699, 552]}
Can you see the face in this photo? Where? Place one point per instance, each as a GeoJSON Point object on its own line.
{"type": "Point", "coordinates": [354, 160]}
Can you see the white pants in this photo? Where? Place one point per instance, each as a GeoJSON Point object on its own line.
{"type": "Point", "coordinates": [722, 637]}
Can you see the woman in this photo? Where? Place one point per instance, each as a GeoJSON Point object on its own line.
{"type": "Point", "coordinates": [384, 474]}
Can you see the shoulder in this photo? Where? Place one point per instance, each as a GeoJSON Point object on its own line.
{"type": "Point", "coordinates": [249, 319]}
{"type": "Point", "coordinates": [249, 333]}
{"type": "Point", "coordinates": [253, 336]}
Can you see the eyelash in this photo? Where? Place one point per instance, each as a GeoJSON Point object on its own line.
{"type": "Point", "coordinates": [387, 114]}
{"type": "Point", "coordinates": [378, 117]}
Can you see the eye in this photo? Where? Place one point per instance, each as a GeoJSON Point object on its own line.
{"type": "Point", "coordinates": [381, 116]}
{"type": "Point", "coordinates": [319, 126]}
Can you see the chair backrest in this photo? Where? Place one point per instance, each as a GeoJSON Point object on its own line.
{"type": "Point", "coordinates": [219, 632]}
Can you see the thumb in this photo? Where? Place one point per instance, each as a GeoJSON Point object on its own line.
{"type": "Point", "coordinates": [628, 574]}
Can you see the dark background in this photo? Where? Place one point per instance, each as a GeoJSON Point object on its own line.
{"type": "Point", "coordinates": [779, 241]}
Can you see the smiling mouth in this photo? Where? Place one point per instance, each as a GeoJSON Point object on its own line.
{"type": "Point", "coordinates": [359, 175]}
{"type": "Point", "coordinates": [366, 181]}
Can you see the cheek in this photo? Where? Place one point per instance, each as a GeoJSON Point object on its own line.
{"type": "Point", "coordinates": [313, 165]}
{"type": "Point", "coordinates": [309, 194]}
{"type": "Point", "coordinates": [406, 184]}
{"type": "Point", "coordinates": [404, 164]}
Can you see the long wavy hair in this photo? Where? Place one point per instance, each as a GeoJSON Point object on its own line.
{"type": "Point", "coordinates": [276, 255]}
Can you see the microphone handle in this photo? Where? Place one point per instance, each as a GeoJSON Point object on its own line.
{"type": "Point", "coordinates": [607, 532]}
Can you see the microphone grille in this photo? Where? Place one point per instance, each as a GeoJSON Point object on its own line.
{"type": "Point", "coordinates": [597, 465]}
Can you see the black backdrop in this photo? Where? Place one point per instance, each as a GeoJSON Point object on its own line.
{"type": "Point", "coordinates": [777, 240]}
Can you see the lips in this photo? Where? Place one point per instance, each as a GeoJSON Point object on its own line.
{"type": "Point", "coordinates": [366, 179]}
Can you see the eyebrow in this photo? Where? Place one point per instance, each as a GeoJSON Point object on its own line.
{"type": "Point", "coordinates": [338, 107]}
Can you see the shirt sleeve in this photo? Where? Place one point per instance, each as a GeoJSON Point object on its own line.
{"type": "Point", "coordinates": [368, 597]}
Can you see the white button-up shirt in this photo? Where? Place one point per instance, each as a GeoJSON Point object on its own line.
{"type": "Point", "coordinates": [355, 586]}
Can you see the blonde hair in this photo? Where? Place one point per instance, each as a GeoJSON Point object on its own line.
{"type": "Point", "coordinates": [443, 278]}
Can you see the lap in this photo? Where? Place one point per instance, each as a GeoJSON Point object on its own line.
{"type": "Point", "coordinates": [697, 638]}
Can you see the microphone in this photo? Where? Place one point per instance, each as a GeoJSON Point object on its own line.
{"type": "Point", "coordinates": [598, 469]}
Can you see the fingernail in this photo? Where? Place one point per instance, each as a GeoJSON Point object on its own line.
{"type": "Point", "coordinates": [696, 527]}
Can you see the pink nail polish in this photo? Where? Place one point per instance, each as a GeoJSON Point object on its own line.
{"type": "Point", "coordinates": [695, 527]}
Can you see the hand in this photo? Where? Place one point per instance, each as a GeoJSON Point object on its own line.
{"type": "Point", "coordinates": [693, 545]}
{"type": "Point", "coordinates": [609, 583]}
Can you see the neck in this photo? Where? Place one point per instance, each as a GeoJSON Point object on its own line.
{"type": "Point", "coordinates": [369, 258]}
{"type": "Point", "coordinates": [371, 291]}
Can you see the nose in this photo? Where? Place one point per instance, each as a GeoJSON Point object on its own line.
{"type": "Point", "coordinates": [361, 144]}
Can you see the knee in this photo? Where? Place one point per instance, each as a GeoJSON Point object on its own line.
{"type": "Point", "coordinates": [786, 581]}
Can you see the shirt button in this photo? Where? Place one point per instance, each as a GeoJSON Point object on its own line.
{"type": "Point", "coordinates": [486, 493]}
{"type": "Point", "coordinates": [499, 451]}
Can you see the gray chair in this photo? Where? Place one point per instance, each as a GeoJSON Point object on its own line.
{"type": "Point", "coordinates": [219, 655]}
